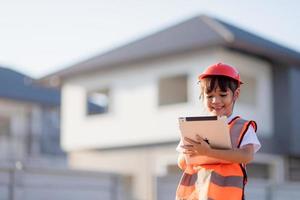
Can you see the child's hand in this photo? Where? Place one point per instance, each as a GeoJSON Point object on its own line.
{"type": "Point", "coordinates": [199, 147]}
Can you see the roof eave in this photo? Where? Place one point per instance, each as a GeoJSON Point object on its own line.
{"type": "Point", "coordinates": [180, 38]}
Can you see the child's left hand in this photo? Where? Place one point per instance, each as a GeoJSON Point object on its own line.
{"type": "Point", "coordinates": [199, 147]}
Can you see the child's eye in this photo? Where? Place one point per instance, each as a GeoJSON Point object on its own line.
{"type": "Point", "coordinates": [209, 96]}
{"type": "Point", "coordinates": [223, 95]}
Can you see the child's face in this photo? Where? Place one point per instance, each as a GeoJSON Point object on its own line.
{"type": "Point", "coordinates": [220, 103]}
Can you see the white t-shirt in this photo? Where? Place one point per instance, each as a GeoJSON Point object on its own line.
{"type": "Point", "coordinates": [250, 137]}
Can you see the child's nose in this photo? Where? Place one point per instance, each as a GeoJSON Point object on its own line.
{"type": "Point", "coordinates": [215, 100]}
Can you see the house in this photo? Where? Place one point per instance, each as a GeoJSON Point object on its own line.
{"type": "Point", "coordinates": [146, 85]}
{"type": "Point", "coordinates": [29, 121]}
{"type": "Point", "coordinates": [31, 159]}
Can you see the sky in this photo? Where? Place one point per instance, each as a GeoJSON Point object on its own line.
{"type": "Point", "coordinates": [38, 37]}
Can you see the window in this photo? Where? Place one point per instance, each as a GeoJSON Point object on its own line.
{"type": "Point", "coordinates": [294, 168]}
{"type": "Point", "coordinates": [4, 126]}
{"type": "Point", "coordinates": [248, 90]}
{"type": "Point", "coordinates": [98, 102]}
{"type": "Point", "coordinates": [173, 90]}
{"type": "Point", "coordinates": [259, 170]}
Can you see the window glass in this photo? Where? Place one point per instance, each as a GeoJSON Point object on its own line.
{"type": "Point", "coordinates": [98, 101]}
{"type": "Point", "coordinates": [173, 90]}
{"type": "Point", "coordinates": [294, 168]}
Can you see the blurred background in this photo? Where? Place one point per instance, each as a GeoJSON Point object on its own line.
{"type": "Point", "coordinates": [90, 93]}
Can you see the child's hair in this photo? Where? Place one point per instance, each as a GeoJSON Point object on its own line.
{"type": "Point", "coordinates": [210, 83]}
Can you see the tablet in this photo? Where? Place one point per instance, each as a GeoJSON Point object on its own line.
{"type": "Point", "coordinates": [212, 129]}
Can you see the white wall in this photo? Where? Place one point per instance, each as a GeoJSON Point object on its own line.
{"type": "Point", "coordinates": [135, 117]}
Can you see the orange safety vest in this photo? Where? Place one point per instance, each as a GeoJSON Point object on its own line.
{"type": "Point", "coordinates": [221, 181]}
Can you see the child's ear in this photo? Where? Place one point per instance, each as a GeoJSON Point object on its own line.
{"type": "Point", "coordinates": [236, 94]}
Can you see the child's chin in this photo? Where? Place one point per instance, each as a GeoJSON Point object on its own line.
{"type": "Point", "coordinates": [218, 113]}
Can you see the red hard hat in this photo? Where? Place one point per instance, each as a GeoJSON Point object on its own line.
{"type": "Point", "coordinates": [221, 69]}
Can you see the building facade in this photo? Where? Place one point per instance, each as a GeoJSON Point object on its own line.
{"type": "Point", "coordinates": [143, 88]}
{"type": "Point", "coordinates": [29, 121]}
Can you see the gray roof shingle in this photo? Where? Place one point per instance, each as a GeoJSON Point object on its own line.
{"type": "Point", "coordinates": [19, 87]}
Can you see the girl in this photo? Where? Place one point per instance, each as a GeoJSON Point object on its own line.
{"type": "Point", "coordinates": [220, 88]}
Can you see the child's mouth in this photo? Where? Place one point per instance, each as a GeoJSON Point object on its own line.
{"type": "Point", "coordinates": [219, 109]}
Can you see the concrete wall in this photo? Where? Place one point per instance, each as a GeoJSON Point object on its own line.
{"type": "Point", "coordinates": [31, 183]}
{"type": "Point", "coordinates": [141, 165]}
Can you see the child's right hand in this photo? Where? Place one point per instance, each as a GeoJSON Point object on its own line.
{"type": "Point", "coordinates": [194, 148]}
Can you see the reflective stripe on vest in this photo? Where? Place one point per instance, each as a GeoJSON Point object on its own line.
{"type": "Point", "coordinates": [188, 179]}
{"type": "Point", "coordinates": [229, 181]}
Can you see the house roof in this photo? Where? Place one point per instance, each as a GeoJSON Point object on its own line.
{"type": "Point", "coordinates": [196, 33]}
{"type": "Point", "coordinates": [19, 87]}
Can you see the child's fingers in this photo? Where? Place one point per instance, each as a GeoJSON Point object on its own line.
{"type": "Point", "coordinates": [199, 138]}
{"type": "Point", "coordinates": [190, 152]}
{"type": "Point", "coordinates": [193, 154]}
{"type": "Point", "coordinates": [187, 147]}
{"type": "Point", "coordinates": [191, 141]}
